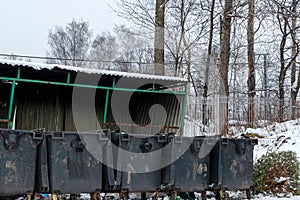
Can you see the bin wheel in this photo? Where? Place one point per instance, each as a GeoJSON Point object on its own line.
{"type": "Point", "coordinates": [95, 196]}
{"type": "Point", "coordinates": [248, 194]}
{"type": "Point", "coordinates": [29, 197]}
{"type": "Point", "coordinates": [222, 195]}
{"type": "Point", "coordinates": [124, 195]}
{"type": "Point", "coordinates": [203, 195]}
{"type": "Point", "coordinates": [74, 196]}
{"type": "Point", "coordinates": [54, 197]}
{"type": "Point", "coordinates": [155, 195]}
{"type": "Point", "coordinates": [173, 195]}
{"type": "Point", "coordinates": [143, 196]}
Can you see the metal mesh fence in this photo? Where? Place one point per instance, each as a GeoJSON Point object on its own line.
{"type": "Point", "coordinates": [208, 116]}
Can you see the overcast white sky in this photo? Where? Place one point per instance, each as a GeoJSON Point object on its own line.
{"type": "Point", "coordinates": [25, 24]}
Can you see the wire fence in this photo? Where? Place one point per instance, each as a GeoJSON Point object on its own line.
{"type": "Point", "coordinates": [209, 116]}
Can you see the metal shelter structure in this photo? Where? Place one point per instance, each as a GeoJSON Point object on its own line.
{"type": "Point", "coordinates": [34, 95]}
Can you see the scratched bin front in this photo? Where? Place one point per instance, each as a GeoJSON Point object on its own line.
{"type": "Point", "coordinates": [232, 164]}
{"type": "Point", "coordinates": [75, 162]}
{"type": "Point", "coordinates": [190, 171]}
{"type": "Point", "coordinates": [18, 153]}
{"type": "Point", "coordinates": [140, 162]}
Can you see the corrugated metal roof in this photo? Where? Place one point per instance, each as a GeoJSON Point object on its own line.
{"type": "Point", "coordinates": [39, 66]}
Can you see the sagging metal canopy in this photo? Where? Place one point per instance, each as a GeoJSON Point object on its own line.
{"type": "Point", "coordinates": [41, 66]}
{"type": "Point", "coordinates": [26, 87]}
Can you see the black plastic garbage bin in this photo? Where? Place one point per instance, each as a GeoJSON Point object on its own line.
{"type": "Point", "coordinates": [18, 153]}
{"type": "Point", "coordinates": [190, 171]}
{"type": "Point", "coordinates": [111, 176]}
{"type": "Point", "coordinates": [232, 164]}
{"type": "Point", "coordinates": [74, 161]}
{"type": "Point", "coordinates": [140, 160]}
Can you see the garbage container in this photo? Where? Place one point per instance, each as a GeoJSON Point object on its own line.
{"type": "Point", "coordinates": [232, 164]}
{"type": "Point", "coordinates": [190, 171]}
{"type": "Point", "coordinates": [140, 160]}
{"type": "Point", "coordinates": [111, 176]}
{"type": "Point", "coordinates": [74, 162]}
{"type": "Point", "coordinates": [18, 153]}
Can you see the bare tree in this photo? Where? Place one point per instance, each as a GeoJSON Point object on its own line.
{"type": "Point", "coordinates": [224, 58]}
{"type": "Point", "coordinates": [251, 73]}
{"type": "Point", "coordinates": [295, 50]}
{"type": "Point", "coordinates": [104, 49]}
{"type": "Point", "coordinates": [122, 50]}
{"type": "Point", "coordinates": [283, 10]}
{"type": "Point", "coordinates": [208, 62]}
{"type": "Point", "coordinates": [159, 38]}
{"type": "Point", "coordinates": [69, 45]}
{"type": "Point", "coordinates": [185, 23]}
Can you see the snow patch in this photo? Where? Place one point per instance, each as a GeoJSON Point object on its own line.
{"type": "Point", "coordinates": [40, 66]}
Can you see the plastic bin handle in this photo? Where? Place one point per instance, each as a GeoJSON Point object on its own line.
{"type": "Point", "coordinates": [162, 138]}
{"type": "Point", "coordinates": [254, 142]}
{"type": "Point", "coordinates": [38, 135]}
{"type": "Point", "coordinates": [241, 146]}
{"type": "Point", "coordinates": [58, 135]}
{"type": "Point", "coordinates": [125, 137]}
{"type": "Point", "coordinates": [196, 145]}
{"type": "Point", "coordinates": [146, 146]}
{"type": "Point", "coordinates": [78, 144]}
{"type": "Point", "coordinates": [11, 141]}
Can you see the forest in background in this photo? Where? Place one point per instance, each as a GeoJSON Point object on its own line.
{"type": "Point", "coordinates": [240, 57]}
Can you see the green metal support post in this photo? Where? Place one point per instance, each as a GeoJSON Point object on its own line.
{"type": "Point", "coordinates": [11, 101]}
{"type": "Point", "coordinates": [106, 107]}
{"type": "Point", "coordinates": [69, 78]}
{"type": "Point", "coordinates": [114, 83]}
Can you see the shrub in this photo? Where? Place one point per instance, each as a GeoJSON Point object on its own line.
{"type": "Point", "coordinates": [277, 173]}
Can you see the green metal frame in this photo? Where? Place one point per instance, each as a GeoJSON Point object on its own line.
{"type": "Point", "coordinates": [11, 101]}
{"type": "Point", "coordinates": [68, 83]}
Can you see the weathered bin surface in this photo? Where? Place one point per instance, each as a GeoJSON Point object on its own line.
{"type": "Point", "coordinates": [18, 153]}
{"type": "Point", "coordinates": [190, 171]}
{"type": "Point", "coordinates": [111, 176]}
{"type": "Point", "coordinates": [232, 164]}
{"type": "Point", "coordinates": [141, 171]}
{"type": "Point", "coordinates": [73, 168]}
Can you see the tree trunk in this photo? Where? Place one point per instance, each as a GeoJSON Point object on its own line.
{"type": "Point", "coordinates": [208, 64]}
{"type": "Point", "coordinates": [282, 73]}
{"type": "Point", "coordinates": [224, 57]}
{"type": "Point", "coordinates": [251, 70]}
{"type": "Point", "coordinates": [281, 97]}
{"type": "Point", "coordinates": [295, 86]}
{"type": "Point", "coordinates": [159, 60]}
{"type": "Point", "coordinates": [282, 76]}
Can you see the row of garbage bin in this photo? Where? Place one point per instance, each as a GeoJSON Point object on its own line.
{"type": "Point", "coordinates": [112, 161]}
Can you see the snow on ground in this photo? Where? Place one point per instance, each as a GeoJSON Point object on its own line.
{"type": "Point", "coordinates": [277, 137]}
{"type": "Point", "coordinates": [262, 197]}
{"type": "Point", "coordinates": [274, 138]}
